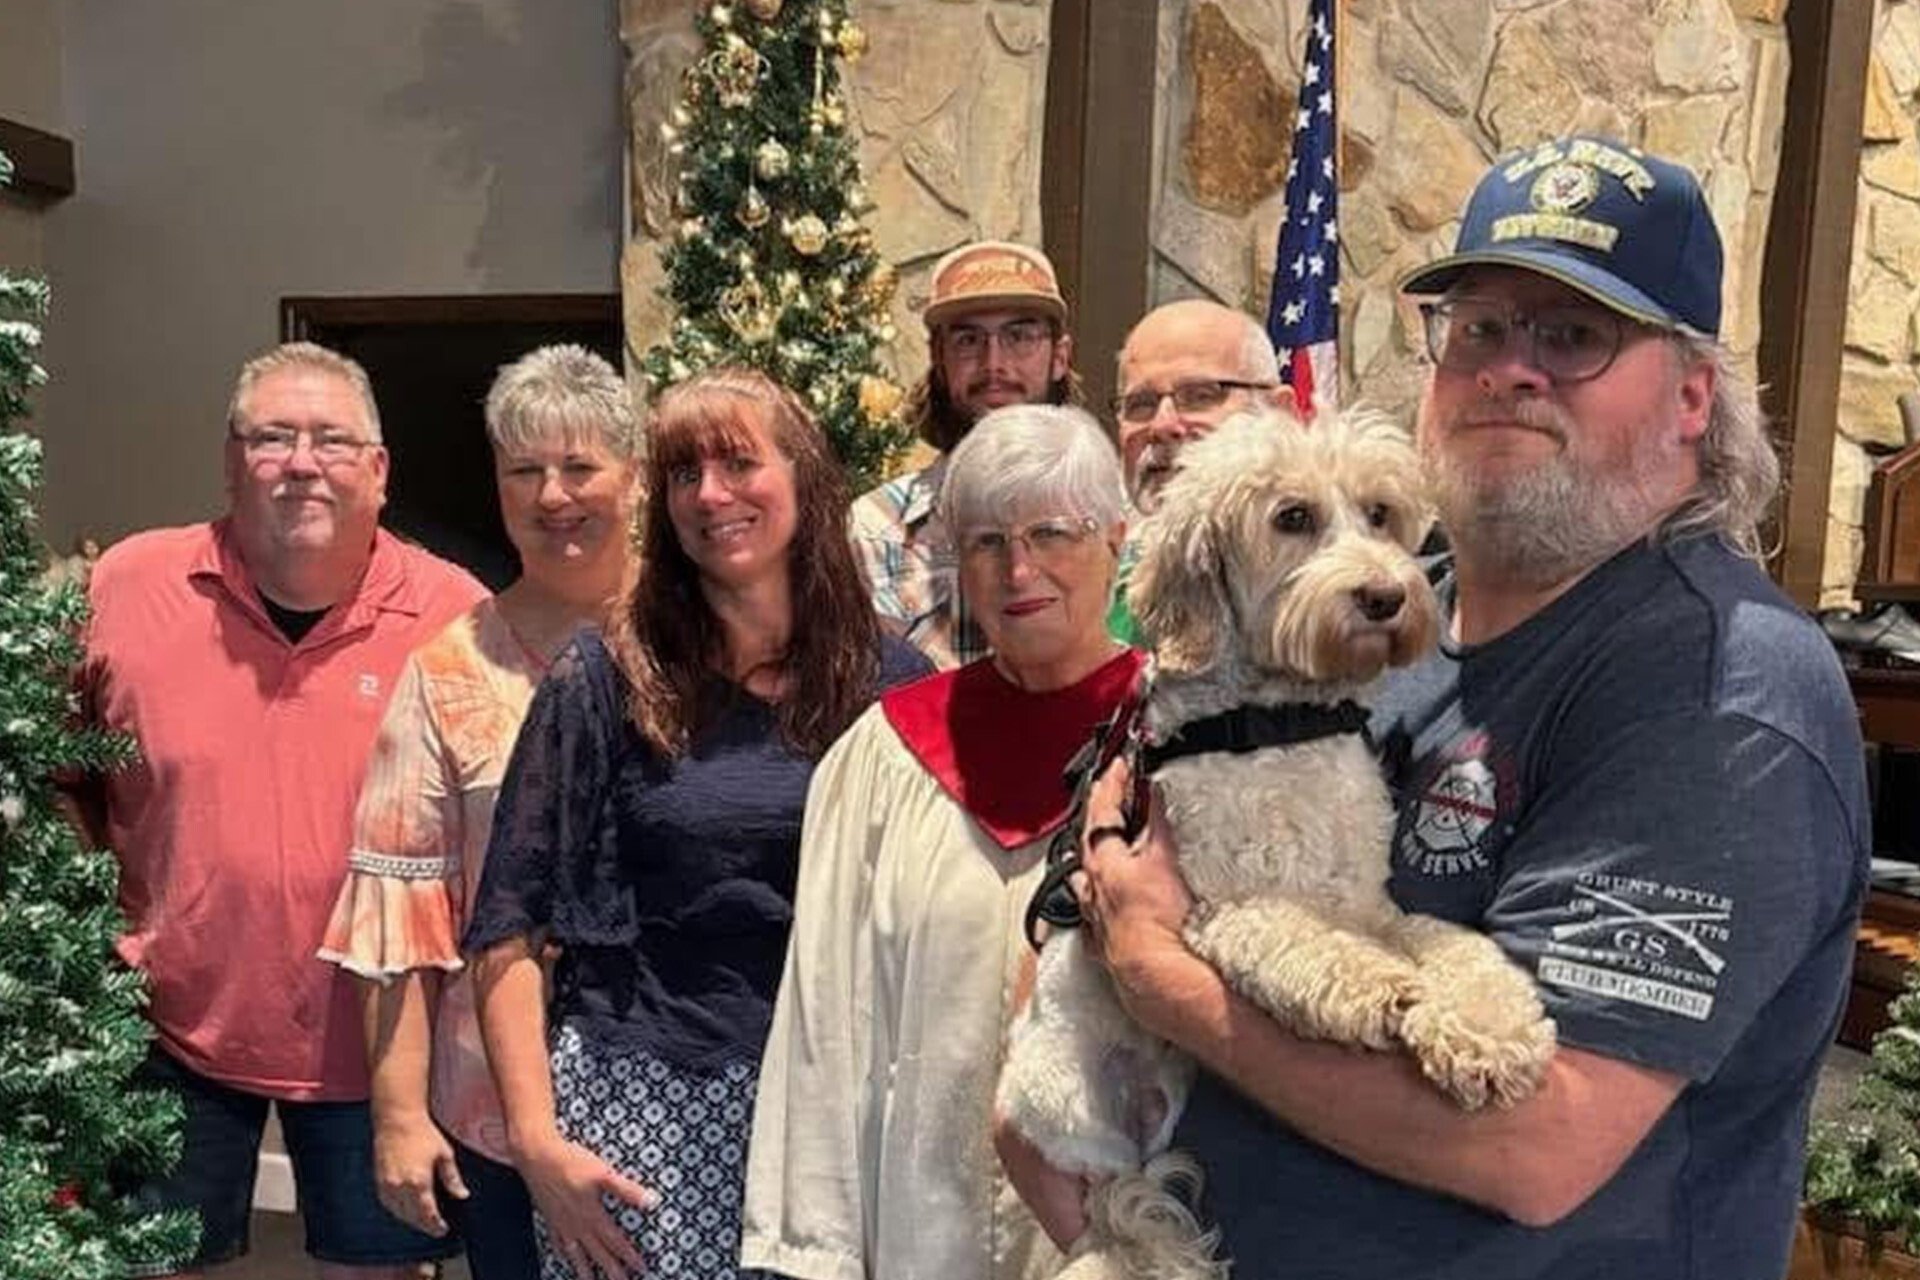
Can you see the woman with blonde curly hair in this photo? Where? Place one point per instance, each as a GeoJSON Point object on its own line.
{"type": "Point", "coordinates": [649, 828]}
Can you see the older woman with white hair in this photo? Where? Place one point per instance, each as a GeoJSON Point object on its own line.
{"type": "Point", "coordinates": [565, 450]}
{"type": "Point", "coordinates": [925, 837]}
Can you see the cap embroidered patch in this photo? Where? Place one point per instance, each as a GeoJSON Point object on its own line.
{"type": "Point", "coordinates": [1628, 229]}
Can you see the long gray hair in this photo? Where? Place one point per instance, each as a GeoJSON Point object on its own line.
{"type": "Point", "coordinates": [1739, 471]}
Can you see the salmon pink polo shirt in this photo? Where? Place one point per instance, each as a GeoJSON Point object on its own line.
{"type": "Point", "coordinates": [233, 828]}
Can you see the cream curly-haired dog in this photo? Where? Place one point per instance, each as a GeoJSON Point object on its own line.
{"type": "Point", "coordinates": [1276, 575]}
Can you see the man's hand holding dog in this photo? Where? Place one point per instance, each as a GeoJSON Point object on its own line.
{"type": "Point", "coordinates": [1135, 905]}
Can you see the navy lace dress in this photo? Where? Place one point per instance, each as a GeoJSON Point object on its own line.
{"type": "Point", "coordinates": [668, 887]}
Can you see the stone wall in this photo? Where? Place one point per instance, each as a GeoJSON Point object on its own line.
{"type": "Point", "coordinates": [948, 104]}
{"type": "Point", "coordinates": [1883, 314]}
{"type": "Point", "coordinates": [1430, 91]}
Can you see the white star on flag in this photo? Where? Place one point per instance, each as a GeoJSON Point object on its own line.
{"type": "Point", "coordinates": [1303, 310]}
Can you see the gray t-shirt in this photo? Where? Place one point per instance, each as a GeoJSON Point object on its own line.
{"type": "Point", "coordinates": [1652, 795]}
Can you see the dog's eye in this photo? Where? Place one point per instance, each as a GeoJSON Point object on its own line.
{"type": "Point", "coordinates": [1379, 515]}
{"type": "Point", "coordinates": [1296, 518]}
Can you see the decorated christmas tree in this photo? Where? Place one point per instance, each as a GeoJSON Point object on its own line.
{"type": "Point", "coordinates": [770, 264]}
{"type": "Point", "coordinates": [1865, 1165]}
{"type": "Point", "coordinates": [70, 1027]}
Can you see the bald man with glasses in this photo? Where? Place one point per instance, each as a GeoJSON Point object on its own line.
{"type": "Point", "coordinates": [1184, 369]}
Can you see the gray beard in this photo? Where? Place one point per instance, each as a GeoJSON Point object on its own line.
{"type": "Point", "coordinates": [1540, 528]}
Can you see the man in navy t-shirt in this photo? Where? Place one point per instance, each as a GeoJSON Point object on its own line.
{"type": "Point", "coordinates": [1633, 763]}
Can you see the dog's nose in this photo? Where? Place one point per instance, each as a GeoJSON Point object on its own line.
{"type": "Point", "coordinates": [1379, 604]}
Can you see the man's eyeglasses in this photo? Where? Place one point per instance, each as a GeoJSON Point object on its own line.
{"type": "Point", "coordinates": [1567, 343]}
{"type": "Point", "coordinates": [1016, 338]}
{"type": "Point", "coordinates": [1196, 395]}
{"type": "Point", "coordinates": [277, 444]}
{"type": "Point", "coordinates": [1047, 541]}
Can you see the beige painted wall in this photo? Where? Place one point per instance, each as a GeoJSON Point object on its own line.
{"type": "Point", "coordinates": [231, 153]}
{"type": "Point", "coordinates": [29, 94]}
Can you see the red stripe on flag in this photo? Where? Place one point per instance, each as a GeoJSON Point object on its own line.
{"type": "Point", "coordinates": [1300, 365]}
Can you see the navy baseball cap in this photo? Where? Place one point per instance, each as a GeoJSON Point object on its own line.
{"type": "Point", "coordinates": [1630, 230]}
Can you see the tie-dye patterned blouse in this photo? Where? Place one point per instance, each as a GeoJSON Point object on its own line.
{"type": "Point", "coordinates": [420, 832]}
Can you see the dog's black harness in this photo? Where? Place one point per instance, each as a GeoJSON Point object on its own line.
{"type": "Point", "coordinates": [1245, 729]}
{"type": "Point", "coordinates": [1238, 731]}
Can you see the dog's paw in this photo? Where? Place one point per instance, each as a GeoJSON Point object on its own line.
{"type": "Point", "coordinates": [1323, 983]}
{"type": "Point", "coordinates": [1360, 997]}
{"type": "Point", "coordinates": [1480, 1048]}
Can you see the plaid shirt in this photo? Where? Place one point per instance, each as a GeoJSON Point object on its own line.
{"type": "Point", "coordinates": [910, 565]}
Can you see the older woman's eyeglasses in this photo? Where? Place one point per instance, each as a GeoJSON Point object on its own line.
{"type": "Point", "coordinates": [277, 444]}
{"type": "Point", "coordinates": [1017, 338]}
{"type": "Point", "coordinates": [1045, 541]}
{"type": "Point", "coordinates": [1196, 395]}
{"type": "Point", "coordinates": [1567, 343]}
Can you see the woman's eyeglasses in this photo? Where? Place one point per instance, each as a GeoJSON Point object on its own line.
{"type": "Point", "coordinates": [1045, 541]}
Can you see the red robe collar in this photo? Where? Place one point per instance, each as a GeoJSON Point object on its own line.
{"type": "Point", "coordinates": [1000, 751]}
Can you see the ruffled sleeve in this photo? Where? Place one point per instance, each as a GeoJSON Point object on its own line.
{"type": "Point", "coordinates": [397, 908]}
{"type": "Point", "coordinates": [551, 849]}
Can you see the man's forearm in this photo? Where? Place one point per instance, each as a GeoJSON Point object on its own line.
{"type": "Point", "coordinates": [1534, 1162]}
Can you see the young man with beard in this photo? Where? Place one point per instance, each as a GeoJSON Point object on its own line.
{"type": "Point", "coordinates": [1633, 762]}
{"type": "Point", "coordinates": [996, 335]}
{"type": "Point", "coordinates": [250, 660]}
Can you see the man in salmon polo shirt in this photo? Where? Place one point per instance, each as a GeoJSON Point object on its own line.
{"type": "Point", "coordinates": [250, 659]}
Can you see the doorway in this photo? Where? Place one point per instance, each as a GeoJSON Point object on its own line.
{"type": "Point", "coordinates": [431, 361]}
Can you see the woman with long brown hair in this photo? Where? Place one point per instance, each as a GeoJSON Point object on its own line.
{"type": "Point", "coordinates": [649, 829]}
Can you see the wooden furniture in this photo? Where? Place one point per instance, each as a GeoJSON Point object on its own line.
{"type": "Point", "coordinates": [1890, 568]}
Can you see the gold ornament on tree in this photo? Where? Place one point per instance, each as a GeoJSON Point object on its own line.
{"type": "Point", "coordinates": [722, 16]}
{"type": "Point", "coordinates": [765, 10]}
{"type": "Point", "coordinates": [807, 234]}
{"type": "Point", "coordinates": [851, 232]}
{"type": "Point", "coordinates": [744, 308]}
{"type": "Point", "coordinates": [853, 42]}
{"type": "Point", "coordinates": [881, 284]}
{"type": "Point", "coordinates": [735, 72]}
{"type": "Point", "coordinates": [878, 398]}
{"type": "Point", "coordinates": [753, 212]}
{"type": "Point", "coordinates": [771, 160]}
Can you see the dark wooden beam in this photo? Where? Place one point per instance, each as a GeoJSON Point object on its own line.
{"type": "Point", "coordinates": [1803, 289]}
{"type": "Point", "coordinates": [42, 161]}
{"type": "Point", "coordinates": [300, 316]}
{"type": "Point", "coordinates": [1096, 173]}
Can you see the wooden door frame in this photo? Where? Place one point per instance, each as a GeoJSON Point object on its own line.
{"type": "Point", "coordinates": [1097, 154]}
{"type": "Point", "coordinates": [1806, 270]}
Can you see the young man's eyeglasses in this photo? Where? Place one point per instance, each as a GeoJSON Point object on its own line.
{"type": "Point", "coordinates": [1017, 338]}
{"type": "Point", "coordinates": [1045, 541]}
{"type": "Point", "coordinates": [276, 444]}
{"type": "Point", "coordinates": [1196, 395]}
{"type": "Point", "coordinates": [1572, 343]}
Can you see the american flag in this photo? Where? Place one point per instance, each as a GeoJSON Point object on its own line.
{"type": "Point", "coordinates": [1303, 313]}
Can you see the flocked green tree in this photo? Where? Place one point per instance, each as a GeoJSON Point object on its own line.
{"type": "Point", "coordinates": [1865, 1165]}
{"type": "Point", "coordinates": [71, 1032]}
{"type": "Point", "coordinates": [770, 264]}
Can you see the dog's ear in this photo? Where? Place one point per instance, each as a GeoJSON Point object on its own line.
{"type": "Point", "coordinates": [1177, 593]}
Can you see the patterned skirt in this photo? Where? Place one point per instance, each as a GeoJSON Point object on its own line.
{"type": "Point", "coordinates": [679, 1132]}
